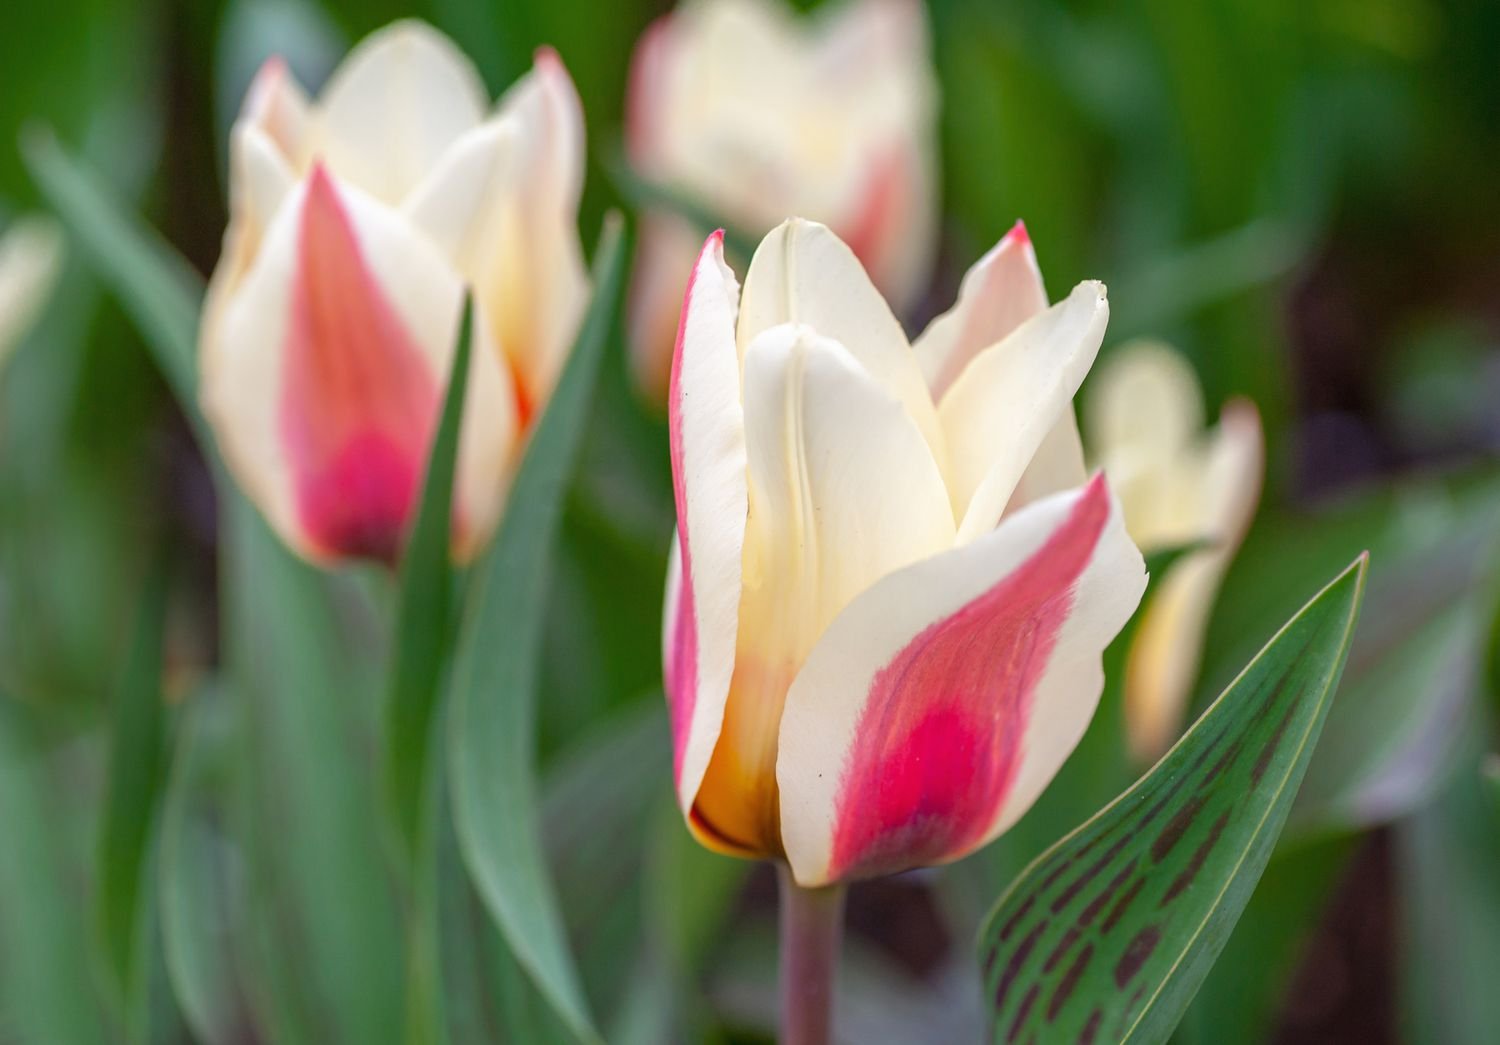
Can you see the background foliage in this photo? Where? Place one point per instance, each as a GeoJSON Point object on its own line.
{"type": "Point", "coordinates": [1299, 195]}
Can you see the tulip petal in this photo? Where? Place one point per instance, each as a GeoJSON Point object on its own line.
{"type": "Point", "coordinates": [266, 147]}
{"type": "Point", "coordinates": [1057, 465]}
{"type": "Point", "coordinates": [456, 204]}
{"type": "Point", "coordinates": [804, 274]}
{"type": "Point", "coordinates": [535, 282]}
{"type": "Point", "coordinates": [1164, 655]}
{"type": "Point", "coordinates": [664, 256]}
{"type": "Point", "coordinates": [1004, 404]}
{"type": "Point", "coordinates": [322, 373]}
{"type": "Point", "coordinates": [646, 95]}
{"type": "Point", "coordinates": [843, 490]}
{"type": "Point", "coordinates": [259, 182]}
{"type": "Point", "coordinates": [707, 444]}
{"type": "Point", "coordinates": [1145, 401]}
{"type": "Point", "coordinates": [1000, 291]}
{"type": "Point", "coordinates": [939, 704]}
{"type": "Point", "coordinates": [486, 444]}
{"type": "Point", "coordinates": [277, 106]}
{"type": "Point", "coordinates": [395, 105]}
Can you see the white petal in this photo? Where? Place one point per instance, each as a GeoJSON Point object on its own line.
{"type": "Point", "coordinates": [1000, 291]}
{"type": "Point", "coordinates": [1057, 465]}
{"type": "Point", "coordinates": [31, 254]}
{"type": "Point", "coordinates": [843, 490]}
{"type": "Point", "coordinates": [707, 443]}
{"type": "Point", "coordinates": [398, 101]}
{"type": "Point", "coordinates": [1144, 399]}
{"type": "Point", "coordinates": [1004, 404]}
{"type": "Point", "coordinates": [531, 273]}
{"type": "Point", "coordinates": [277, 106]}
{"type": "Point", "coordinates": [487, 443]}
{"type": "Point", "coordinates": [802, 273]}
{"type": "Point", "coordinates": [939, 703]}
{"type": "Point", "coordinates": [260, 179]}
{"type": "Point", "coordinates": [457, 204]}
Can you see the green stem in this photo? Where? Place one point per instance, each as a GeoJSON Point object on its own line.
{"type": "Point", "coordinates": [812, 927]}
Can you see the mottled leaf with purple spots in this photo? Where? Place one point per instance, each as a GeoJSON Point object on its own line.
{"type": "Point", "coordinates": [1107, 935]}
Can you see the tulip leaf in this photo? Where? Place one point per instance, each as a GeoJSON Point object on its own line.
{"type": "Point", "coordinates": [194, 876]}
{"type": "Point", "coordinates": [158, 288]}
{"type": "Point", "coordinates": [137, 760]}
{"type": "Point", "coordinates": [491, 758]}
{"type": "Point", "coordinates": [463, 983]}
{"type": "Point", "coordinates": [46, 994]}
{"type": "Point", "coordinates": [1108, 934]}
{"type": "Point", "coordinates": [1448, 878]}
{"type": "Point", "coordinates": [1404, 704]}
{"type": "Point", "coordinates": [422, 613]}
{"type": "Point", "coordinates": [326, 948]}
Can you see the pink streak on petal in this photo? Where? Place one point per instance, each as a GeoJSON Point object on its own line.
{"type": "Point", "coordinates": [870, 230]}
{"type": "Point", "coordinates": [643, 91]}
{"type": "Point", "coordinates": [680, 672]}
{"type": "Point", "coordinates": [359, 403]}
{"type": "Point", "coordinates": [938, 745]}
{"type": "Point", "coordinates": [1006, 299]}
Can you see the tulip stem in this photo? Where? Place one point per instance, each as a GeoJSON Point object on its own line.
{"type": "Point", "coordinates": [812, 927]}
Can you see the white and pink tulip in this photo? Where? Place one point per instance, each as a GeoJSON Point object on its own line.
{"type": "Point", "coordinates": [358, 225]}
{"type": "Point", "coordinates": [892, 580]}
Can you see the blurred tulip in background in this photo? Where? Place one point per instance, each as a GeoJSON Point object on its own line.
{"type": "Point", "coordinates": [359, 224]}
{"type": "Point", "coordinates": [755, 112]}
{"type": "Point", "coordinates": [1181, 485]}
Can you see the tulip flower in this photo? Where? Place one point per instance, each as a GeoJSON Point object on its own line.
{"type": "Point", "coordinates": [1179, 485]}
{"type": "Point", "coordinates": [755, 112]}
{"type": "Point", "coordinates": [888, 597]}
{"type": "Point", "coordinates": [30, 259]}
{"type": "Point", "coordinates": [358, 224]}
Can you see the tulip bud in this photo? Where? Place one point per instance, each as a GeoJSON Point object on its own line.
{"type": "Point", "coordinates": [1180, 484]}
{"type": "Point", "coordinates": [358, 225]}
{"type": "Point", "coordinates": [31, 253]}
{"type": "Point", "coordinates": [883, 626]}
{"type": "Point", "coordinates": [755, 112]}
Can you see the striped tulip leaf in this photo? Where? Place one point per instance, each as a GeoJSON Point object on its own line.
{"type": "Point", "coordinates": [1108, 934]}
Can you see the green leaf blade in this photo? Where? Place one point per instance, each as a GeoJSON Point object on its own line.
{"type": "Point", "coordinates": [137, 762]}
{"type": "Point", "coordinates": [322, 911]}
{"type": "Point", "coordinates": [421, 632]}
{"type": "Point", "coordinates": [159, 290]}
{"type": "Point", "coordinates": [1108, 934]}
{"type": "Point", "coordinates": [194, 876]}
{"type": "Point", "coordinates": [495, 674]}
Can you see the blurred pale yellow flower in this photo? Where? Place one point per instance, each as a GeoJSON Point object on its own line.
{"type": "Point", "coordinates": [1180, 484]}
{"type": "Point", "coordinates": [31, 253]}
